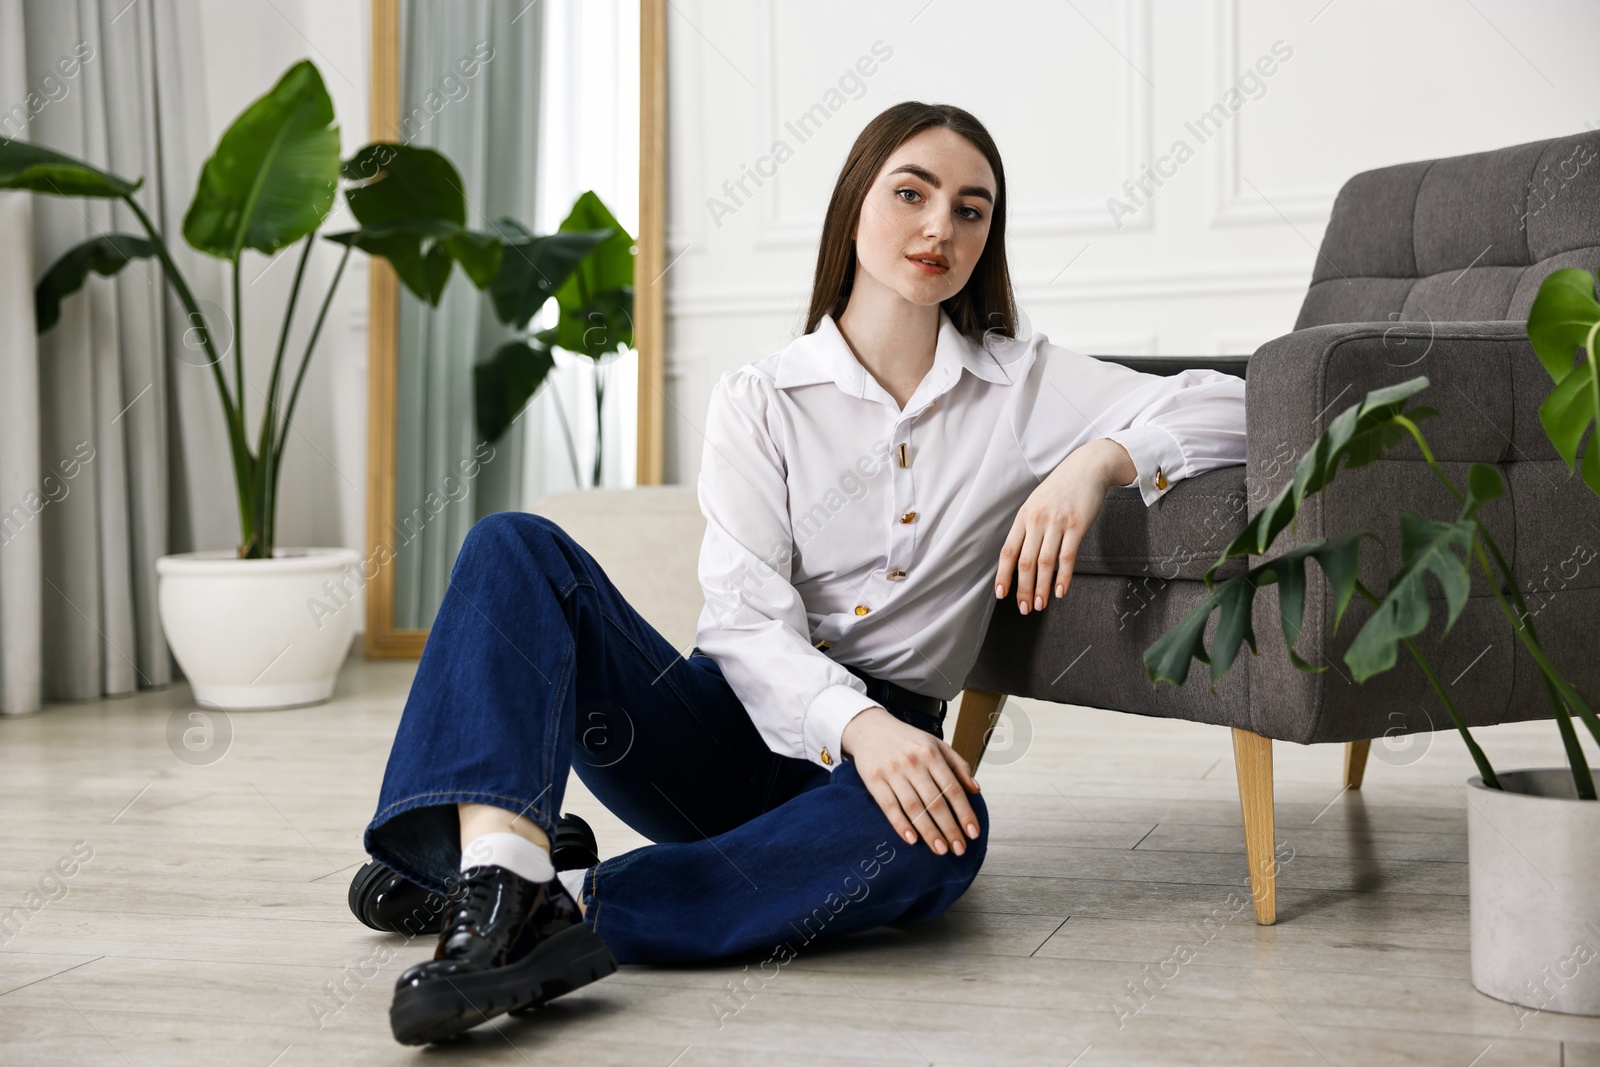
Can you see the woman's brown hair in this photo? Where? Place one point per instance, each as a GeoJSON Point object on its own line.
{"type": "Point", "coordinates": [985, 304]}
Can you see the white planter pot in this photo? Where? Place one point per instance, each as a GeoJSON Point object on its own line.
{"type": "Point", "coordinates": [1533, 859]}
{"type": "Point", "coordinates": [259, 633]}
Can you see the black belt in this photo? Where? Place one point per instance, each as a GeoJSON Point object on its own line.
{"type": "Point", "coordinates": [923, 712]}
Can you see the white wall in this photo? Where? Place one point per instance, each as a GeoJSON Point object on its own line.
{"type": "Point", "coordinates": [1079, 96]}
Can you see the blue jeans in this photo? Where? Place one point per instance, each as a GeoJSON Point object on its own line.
{"type": "Point", "coordinates": [536, 664]}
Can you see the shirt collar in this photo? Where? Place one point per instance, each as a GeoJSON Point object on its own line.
{"type": "Point", "coordinates": [823, 355]}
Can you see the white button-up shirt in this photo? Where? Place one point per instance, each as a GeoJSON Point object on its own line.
{"type": "Point", "coordinates": [834, 515]}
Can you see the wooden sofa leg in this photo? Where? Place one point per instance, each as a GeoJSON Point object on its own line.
{"type": "Point", "coordinates": [1355, 762]}
{"type": "Point", "coordinates": [1252, 757]}
{"type": "Point", "coordinates": [975, 723]}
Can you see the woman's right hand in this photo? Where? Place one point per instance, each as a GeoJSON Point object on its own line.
{"type": "Point", "coordinates": [916, 778]}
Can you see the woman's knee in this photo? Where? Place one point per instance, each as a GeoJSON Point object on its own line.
{"type": "Point", "coordinates": [504, 532]}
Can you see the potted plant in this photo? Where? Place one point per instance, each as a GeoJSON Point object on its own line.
{"type": "Point", "coordinates": [1533, 835]}
{"type": "Point", "coordinates": [242, 624]}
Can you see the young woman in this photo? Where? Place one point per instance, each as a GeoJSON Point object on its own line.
{"type": "Point", "coordinates": [870, 491]}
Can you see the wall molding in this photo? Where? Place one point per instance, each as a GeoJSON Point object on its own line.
{"type": "Point", "coordinates": [1237, 205]}
{"type": "Point", "coordinates": [1064, 217]}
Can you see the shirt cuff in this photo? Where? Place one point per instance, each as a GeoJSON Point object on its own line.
{"type": "Point", "coordinates": [826, 718]}
{"type": "Point", "coordinates": [1156, 456]}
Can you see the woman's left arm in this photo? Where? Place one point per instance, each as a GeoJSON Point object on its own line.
{"type": "Point", "coordinates": [1092, 424]}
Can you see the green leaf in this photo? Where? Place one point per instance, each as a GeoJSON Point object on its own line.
{"type": "Point", "coordinates": [1426, 546]}
{"type": "Point", "coordinates": [410, 205]}
{"type": "Point", "coordinates": [1563, 312]}
{"type": "Point", "coordinates": [503, 385]}
{"type": "Point", "coordinates": [532, 268]}
{"type": "Point", "coordinates": [1357, 436]}
{"type": "Point", "coordinates": [1168, 659]}
{"type": "Point", "coordinates": [103, 255]}
{"type": "Point", "coordinates": [478, 253]}
{"type": "Point", "coordinates": [396, 183]}
{"type": "Point", "coordinates": [1562, 322]}
{"type": "Point", "coordinates": [597, 300]}
{"type": "Point", "coordinates": [606, 326]}
{"type": "Point", "coordinates": [30, 166]}
{"type": "Point", "coordinates": [273, 175]}
{"type": "Point", "coordinates": [424, 273]}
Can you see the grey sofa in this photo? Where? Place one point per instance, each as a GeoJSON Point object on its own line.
{"type": "Point", "coordinates": [1425, 268]}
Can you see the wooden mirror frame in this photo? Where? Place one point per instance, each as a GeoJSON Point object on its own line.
{"type": "Point", "coordinates": [382, 640]}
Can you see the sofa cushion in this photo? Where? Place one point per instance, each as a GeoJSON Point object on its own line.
{"type": "Point", "coordinates": [1179, 536]}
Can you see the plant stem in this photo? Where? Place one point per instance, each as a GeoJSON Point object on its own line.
{"type": "Point", "coordinates": [566, 431]}
{"type": "Point", "coordinates": [599, 423]}
{"type": "Point", "coordinates": [237, 445]}
{"type": "Point", "coordinates": [269, 427]}
{"type": "Point", "coordinates": [1582, 779]}
{"type": "Point", "coordinates": [294, 393]}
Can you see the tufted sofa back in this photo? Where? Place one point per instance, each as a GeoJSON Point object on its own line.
{"type": "Point", "coordinates": [1463, 239]}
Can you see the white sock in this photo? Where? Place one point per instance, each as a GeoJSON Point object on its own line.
{"type": "Point", "coordinates": [511, 851]}
{"type": "Point", "coordinates": [573, 880]}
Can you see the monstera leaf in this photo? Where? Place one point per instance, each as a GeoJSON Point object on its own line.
{"type": "Point", "coordinates": [28, 166]}
{"type": "Point", "coordinates": [1426, 547]}
{"type": "Point", "coordinates": [1360, 434]}
{"type": "Point", "coordinates": [503, 385]}
{"type": "Point", "coordinates": [413, 213]}
{"type": "Point", "coordinates": [1565, 318]}
{"type": "Point", "coordinates": [104, 255]}
{"type": "Point", "coordinates": [273, 175]}
{"type": "Point", "coordinates": [1168, 659]}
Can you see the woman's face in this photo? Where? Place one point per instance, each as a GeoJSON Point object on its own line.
{"type": "Point", "coordinates": [932, 200]}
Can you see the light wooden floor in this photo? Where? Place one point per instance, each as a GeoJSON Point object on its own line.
{"type": "Point", "coordinates": [210, 921]}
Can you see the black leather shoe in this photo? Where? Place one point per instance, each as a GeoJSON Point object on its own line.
{"type": "Point", "coordinates": [508, 943]}
{"type": "Point", "coordinates": [391, 902]}
{"type": "Point", "coordinates": [574, 847]}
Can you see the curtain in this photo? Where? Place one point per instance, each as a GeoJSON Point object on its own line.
{"type": "Point", "coordinates": [487, 123]}
{"type": "Point", "coordinates": [112, 446]}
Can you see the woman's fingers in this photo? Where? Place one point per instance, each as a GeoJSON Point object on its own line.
{"type": "Point", "coordinates": [1027, 565]}
{"type": "Point", "coordinates": [1049, 551]}
{"type": "Point", "coordinates": [960, 766]}
{"type": "Point", "coordinates": [1008, 556]}
{"type": "Point", "coordinates": [916, 810]}
{"type": "Point", "coordinates": [934, 784]}
{"type": "Point", "coordinates": [1066, 562]}
{"type": "Point", "coordinates": [890, 803]}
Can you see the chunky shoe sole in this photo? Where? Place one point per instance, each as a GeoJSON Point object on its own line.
{"type": "Point", "coordinates": [444, 1007]}
{"type": "Point", "coordinates": [413, 915]}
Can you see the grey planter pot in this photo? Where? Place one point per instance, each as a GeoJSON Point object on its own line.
{"type": "Point", "coordinates": [1533, 859]}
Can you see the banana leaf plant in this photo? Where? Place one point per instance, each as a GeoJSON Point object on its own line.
{"type": "Point", "coordinates": [1562, 327]}
{"type": "Point", "coordinates": [593, 289]}
{"type": "Point", "coordinates": [270, 182]}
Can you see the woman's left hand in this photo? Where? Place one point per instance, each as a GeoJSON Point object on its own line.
{"type": "Point", "coordinates": [1043, 544]}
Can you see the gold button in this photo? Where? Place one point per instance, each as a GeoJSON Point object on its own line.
{"type": "Point", "coordinates": [908, 516]}
{"type": "Point", "coordinates": [825, 757]}
{"type": "Point", "coordinates": [905, 460]}
{"type": "Point", "coordinates": [824, 645]}
{"type": "Point", "coordinates": [895, 575]}
{"type": "Point", "coordinates": [1161, 479]}
{"type": "Point", "coordinates": [862, 609]}
{"type": "Point", "coordinates": [932, 402]}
